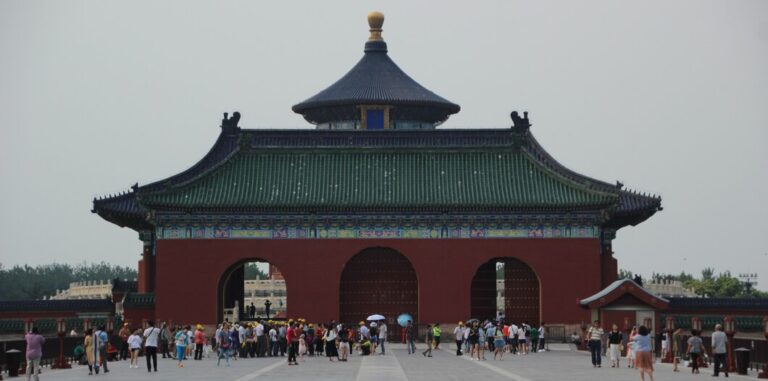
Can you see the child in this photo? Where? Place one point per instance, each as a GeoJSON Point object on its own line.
{"type": "Point", "coordinates": [302, 347]}
{"type": "Point", "coordinates": [134, 345]}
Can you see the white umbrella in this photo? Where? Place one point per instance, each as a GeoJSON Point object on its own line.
{"type": "Point", "coordinates": [375, 317]}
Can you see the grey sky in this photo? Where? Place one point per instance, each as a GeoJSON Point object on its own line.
{"type": "Point", "coordinates": [669, 97]}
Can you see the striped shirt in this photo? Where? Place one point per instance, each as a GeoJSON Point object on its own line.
{"type": "Point", "coordinates": [595, 333]}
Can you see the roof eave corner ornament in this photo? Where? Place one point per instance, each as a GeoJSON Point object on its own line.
{"type": "Point", "coordinates": [229, 124]}
{"type": "Point", "coordinates": [520, 124]}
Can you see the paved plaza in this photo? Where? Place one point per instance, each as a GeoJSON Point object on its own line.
{"type": "Point", "coordinates": [397, 365]}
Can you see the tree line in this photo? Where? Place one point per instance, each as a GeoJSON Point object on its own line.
{"type": "Point", "coordinates": [709, 284]}
{"type": "Point", "coordinates": [36, 282]}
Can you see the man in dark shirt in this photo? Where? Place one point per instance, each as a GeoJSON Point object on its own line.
{"type": "Point", "coordinates": [410, 336]}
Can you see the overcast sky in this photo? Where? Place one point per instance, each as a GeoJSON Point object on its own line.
{"type": "Point", "coordinates": [669, 97]}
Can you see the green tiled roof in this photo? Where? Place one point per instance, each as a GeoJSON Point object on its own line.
{"type": "Point", "coordinates": [135, 299]}
{"type": "Point", "coordinates": [380, 178]}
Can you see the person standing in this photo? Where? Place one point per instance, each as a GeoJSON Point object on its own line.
{"type": "Point", "coordinates": [458, 332]}
{"type": "Point", "coordinates": [165, 334]}
{"type": "Point", "coordinates": [473, 338]}
{"type": "Point", "coordinates": [374, 334]}
{"type": "Point", "coordinates": [631, 348]}
{"type": "Point", "coordinates": [181, 339]}
{"type": "Point", "coordinates": [124, 333]}
{"type": "Point", "coordinates": [615, 338]}
{"type": "Point", "coordinates": [343, 342]}
{"type": "Point", "coordinates": [34, 353]}
{"type": "Point", "coordinates": [436, 333]}
{"type": "Point", "coordinates": [643, 359]}
{"type": "Point", "coordinates": [676, 336]}
{"type": "Point", "coordinates": [252, 311]}
{"type": "Point", "coordinates": [410, 337]}
{"type": "Point", "coordinates": [134, 345]}
{"type": "Point", "coordinates": [330, 342]}
{"type": "Point", "coordinates": [199, 341]}
{"type": "Point", "coordinates": [293, 340]}
{"type": "Point", "coordinates": [223, 342]}
{"type": "Point", "coordinates": [522, 341]}
{"type": "Point", "coordinates": [534, 339]}
{"type": "Point", "coordinates": [151, 336]}
{"type": "Point", "coordinates": [430, 337]}
{"type": "Point", "coordinates": [90, 351]}
{"type": "Point", "coordinates": [382, 335]}
{"type": "Point", "coordinates": [542, 339]}
{"type": "Point", "coordinates": [273, 341]}
{"type": "Point", "coordinates": [498, 342]}
{"type": "Point", "coordinates": [595, 337]}
{"type": "Point", "coordinates": [481, 342]}
{"type": "Point", "coordinates": [102, 347]}
{"type": "Point", "coordinates": [719, 350]}
{"type": "Point", "coordinates": [695, 349]}
{"type": "Point", "coordinates": [490, 333]}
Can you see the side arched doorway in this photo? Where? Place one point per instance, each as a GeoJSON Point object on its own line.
{"type": "Point", "coordinates": [508, 287]}
{"type": "Point", "coordinates": [251, 282]}
{"type": "Point", "coordinates": [378, 281]}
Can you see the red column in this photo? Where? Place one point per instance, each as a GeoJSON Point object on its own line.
{"type": "Point", "coordinates": [730, 331]}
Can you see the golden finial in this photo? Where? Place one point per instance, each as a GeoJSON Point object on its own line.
{"type": "Point", "coordinates": [375, 21]}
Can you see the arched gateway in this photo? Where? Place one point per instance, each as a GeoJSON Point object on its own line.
{"type": "Point", "coordinates": [376, 172]}
{"type": "Point", "coordinates": [378, 281]}
{"type": "Point", "coordinates": [251, 281]}
{"type": "Point", "coordinates": [506, 286]}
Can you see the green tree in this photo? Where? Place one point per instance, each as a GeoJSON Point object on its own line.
{"type": "Point", "coordinates": [27, 282]}
{"type": "Point", "coordinates": [625, 274]}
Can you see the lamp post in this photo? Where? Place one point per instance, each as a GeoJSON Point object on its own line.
{"type": "Point", "coordinates": [669, 327]}
{"type": "Point", "coordinates": [61, 330]}
{"type": "Point", "coordinates": [696, 323]}
{"type": "Point", "coordinates": [764, 373]}
{"type": "Point", "coordinates": [729, 324]}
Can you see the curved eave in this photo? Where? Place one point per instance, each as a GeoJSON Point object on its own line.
{"type": "Point", "coordinates": [124, 210]}
{"type": "Point", "coordinates": [632, 209]}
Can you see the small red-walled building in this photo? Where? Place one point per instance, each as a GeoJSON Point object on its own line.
{"type": "Point", "coordinates": [378, 211]}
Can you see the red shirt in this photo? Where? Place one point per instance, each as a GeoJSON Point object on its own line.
{"type": "Point", "coordinates": [199, 337]}
{"type": "Point", "coordinates": [289, 334]}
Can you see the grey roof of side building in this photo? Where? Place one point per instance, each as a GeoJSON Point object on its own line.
{"type": "Point", "coordinates": [57, 305]}
{"type": "Point", "coordinates": [613, 286]}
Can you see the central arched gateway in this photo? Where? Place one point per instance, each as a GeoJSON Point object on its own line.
{"type": "Point", "coordinates": [251, 281]}
{"type": "Point", "coordinates": [508, 286]}
{"type": "Point", "coordinates": [378, 281]}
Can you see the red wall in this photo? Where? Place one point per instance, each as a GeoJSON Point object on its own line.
{"type": "Point", "coordinates": [188, 273]}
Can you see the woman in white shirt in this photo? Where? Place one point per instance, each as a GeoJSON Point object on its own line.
{"type": "Point", "coordinates": [134, 345]}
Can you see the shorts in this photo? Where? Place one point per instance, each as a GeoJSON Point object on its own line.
{"type": "Point", "coordinates": [499, 343]}
{"type": "Point", "coordinates": [521, 341]}
{"type": "Point", "coordinates": [180, 352]}
{"type": "Point", "coordinates": [374, 339]}
{"type": "Point", "coordinates": [135, 349]}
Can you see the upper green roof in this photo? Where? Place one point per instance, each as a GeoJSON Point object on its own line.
{"type": "Point", "coordinates": [379, 178]}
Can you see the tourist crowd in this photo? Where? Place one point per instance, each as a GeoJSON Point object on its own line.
{"type": "Point", "coordinates": [298, 339]}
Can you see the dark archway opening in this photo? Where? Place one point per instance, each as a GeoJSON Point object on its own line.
{"type": "Point", "coordinates": [254, 283]}
{"type": "Point", "coordinates": [508, 288]}
{"type": "Point", "coordinates": [378, 281]}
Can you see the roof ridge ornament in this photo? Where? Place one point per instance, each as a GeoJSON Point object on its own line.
{"type": "Point", "coordinates": [520, 124]}
{"type": "Point", "coordinates": [375, 22]}
{"type": "Point", "coordinates": [230, 124]}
